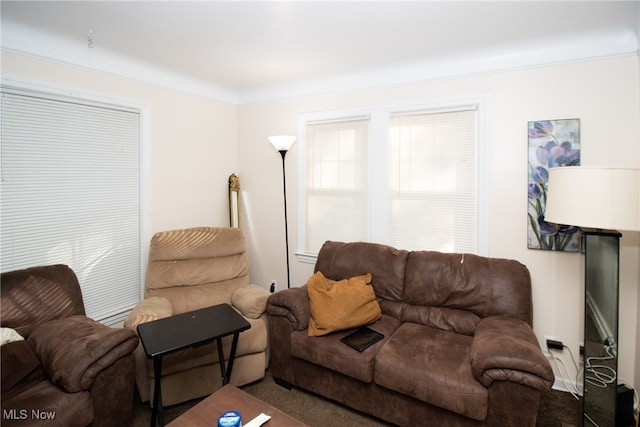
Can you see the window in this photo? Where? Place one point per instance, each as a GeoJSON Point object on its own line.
{"type": "Point", "coordinates": [407, 179]}
{"type": "Point", "coordinates": [71, 194]}
{"type": "Point", "coordinates": [336, 182]}
{"type": "Point", "coordinates": [432, 181]}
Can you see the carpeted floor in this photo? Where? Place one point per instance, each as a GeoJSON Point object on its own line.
{"type": "Point", "coordinates": [557, 409]}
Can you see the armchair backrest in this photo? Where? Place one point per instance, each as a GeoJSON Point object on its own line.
{"type": "Point", "coordinates": [197, 267]}
{"type": "Point", "coordinates": [35, 295]}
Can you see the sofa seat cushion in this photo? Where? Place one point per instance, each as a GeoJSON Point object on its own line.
{"type": "Point", "coordinates": [329, 352]}
{"type": "Point", "coordinates": [46, 404]}
{"type": "Point", "coordinates": [433, 366]}
{"type": "Point", "coordinates": [251, 341]}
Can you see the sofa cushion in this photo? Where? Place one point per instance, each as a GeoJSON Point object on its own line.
{"type": "Point", "coordinates": [339, 305]}
{"type": "Point", "coordinates": [329, 352]}
{"type": "Point", "coordinates": [196, 256]}
{"type": "Point", "coordinates": [482, 286]}
{"type": "Point", "coordinates": [444, 318]}
{"type": "Point", "coordinates": [339, 260]}
{"type": "Point", "coordinates": [433, 366]}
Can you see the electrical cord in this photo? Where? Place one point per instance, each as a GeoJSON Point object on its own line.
{"type": "Point", "coordinates": [590, 420]}
{"type": "Point", "coordinates": [600, 375]}
{"type": "Point", "coordinates": [575, 365]}
{"type": "Point", "coordinates": [573, 389]}
{"type": "Point", "coordinates": [596, 375]}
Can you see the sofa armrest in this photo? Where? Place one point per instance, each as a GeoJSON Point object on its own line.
{"type": "Point", "coordinates": [250, 300]}
{"type": "Point", "coordinates": [149, 309]}
{"type": "Point", "coordinates": [505, 349]}
{"type": "Point", "coordinates": [293, 304]}
{"type": "Point", "coordinates": [74, 350]}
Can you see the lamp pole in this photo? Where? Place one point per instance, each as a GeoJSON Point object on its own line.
{"type": "Point", "coordinates": [283, 153]}
{"type": "Point", "coordinates": [282, 144]}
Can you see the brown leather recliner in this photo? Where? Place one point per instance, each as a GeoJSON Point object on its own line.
{"type": "Point", "coordinates": [69, 370]}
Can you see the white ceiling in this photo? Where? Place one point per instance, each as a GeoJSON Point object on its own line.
{"type": "Point", "coordinates": [247, 51]}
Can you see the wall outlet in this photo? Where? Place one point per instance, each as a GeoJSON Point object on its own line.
{"type": "Point", "coordinates": [551, 343]}
{"type": "Point", "coordinates": [274, 286]}
{"type": "Point", "coordinates": [555, 345]}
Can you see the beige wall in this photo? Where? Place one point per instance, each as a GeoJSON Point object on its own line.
{"type": "Point", "coordinates": [195, 143]}
{"type": "Point", "coordinates": [603, 94]}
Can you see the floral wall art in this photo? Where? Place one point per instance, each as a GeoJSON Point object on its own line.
{"type": "Point", "coordinates": [552, 143]}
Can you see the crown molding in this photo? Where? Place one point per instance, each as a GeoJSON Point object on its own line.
{"type": "Point", "coordinates": [576, 48]}
{"type": "Point", "coordinates": [587, 47]}
{"type": "Point", "coordinates": [37, 44]}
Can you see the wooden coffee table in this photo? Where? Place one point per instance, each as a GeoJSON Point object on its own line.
{"type": "Point", "coordinates": [231, 398]}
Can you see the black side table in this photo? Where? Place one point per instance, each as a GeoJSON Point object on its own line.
{"type": "Point", "coordinates": [192, 329]}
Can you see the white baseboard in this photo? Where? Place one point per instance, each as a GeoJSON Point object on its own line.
{"type": "Point", "coordinates": [568, 386]}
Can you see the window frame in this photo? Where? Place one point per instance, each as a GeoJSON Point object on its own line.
{"type": "Point", "coordinates": [379, 130]}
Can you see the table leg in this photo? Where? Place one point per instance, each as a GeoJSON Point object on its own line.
{"type": "Point", "coordinates": [232, 354]}
{"type": "Point", "coordinates": [226, 372]}
{"type": "Point", "coordinates": [157, 393]}
{"type": "Point", "coordinates": [223, 371]}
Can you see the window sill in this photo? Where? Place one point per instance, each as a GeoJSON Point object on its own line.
{"type": "Point", "coordinates": [306, 257]}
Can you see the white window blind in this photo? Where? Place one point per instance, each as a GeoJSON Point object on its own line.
{"type": "Point", "coordinates": [408, 179]}
{"type": "Point", "coordinates": [433, 181]}
{"type": "Point", "coordinates": [71, 195]}
{"type": "Point", "coordinates": [336, 182]}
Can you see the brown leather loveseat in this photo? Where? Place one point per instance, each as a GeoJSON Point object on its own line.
{"type": "Point", "coordinates": [60, 368]}
{"type": "Point", "coordinates": [458, 346]}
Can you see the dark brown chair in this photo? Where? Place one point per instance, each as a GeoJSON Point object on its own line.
{"type": "Point", "coordinates": [69, 369]}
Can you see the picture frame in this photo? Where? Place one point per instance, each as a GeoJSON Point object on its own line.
{"type": "Point", "coordinates": [551, 143]}
{"type": "Point", "coordinates": [234, 201]}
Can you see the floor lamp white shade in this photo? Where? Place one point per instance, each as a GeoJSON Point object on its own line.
{"type": "Point", "coordinates": [594, 197]}
{"type": "Point", "coordinates": [282, 142]}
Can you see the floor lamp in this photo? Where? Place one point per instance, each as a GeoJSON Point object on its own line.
{"type": "Point", "coordinates": [282, 143]}
{"type": "Point", "coordinates": [602, 202]}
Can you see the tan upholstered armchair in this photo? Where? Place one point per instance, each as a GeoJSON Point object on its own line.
{"type": "Point", "coordinates": [191, 269]}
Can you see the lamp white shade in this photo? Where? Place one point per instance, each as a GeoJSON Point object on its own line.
{"type": "Point", "coordinates": [282, 142]}
{"type": "Point", "coordinates": [594, 197]}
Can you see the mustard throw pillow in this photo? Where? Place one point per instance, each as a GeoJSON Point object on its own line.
{"type": "Point", "coordinates": [343, 304]}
